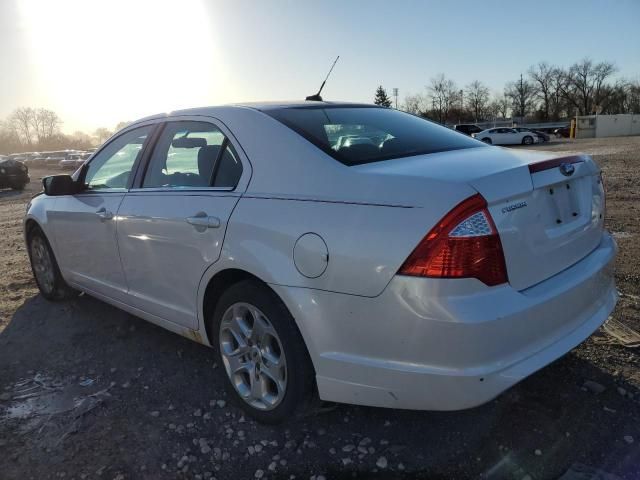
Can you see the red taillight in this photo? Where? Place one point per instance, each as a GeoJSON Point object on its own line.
{"type": "Point", "coordinates": [464, 244]}
{"type": "Point", "coordinates": [604, 196]}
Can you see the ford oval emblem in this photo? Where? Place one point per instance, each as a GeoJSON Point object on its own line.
{"type": "Point", "coordinates": [567, 169]}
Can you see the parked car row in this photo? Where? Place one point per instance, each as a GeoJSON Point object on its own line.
{"type": "Point", "coordinates": [67, 159]}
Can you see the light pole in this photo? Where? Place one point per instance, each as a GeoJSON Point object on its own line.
{"type": "Point", "coordinates": [461, 106]}
{"type": "Point", "coordinates": [395, 94]}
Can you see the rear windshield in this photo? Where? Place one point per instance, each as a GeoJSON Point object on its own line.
{"type": "Point", "coordinates": [357, 135]}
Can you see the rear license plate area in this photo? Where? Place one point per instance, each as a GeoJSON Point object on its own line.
{"type": "Point", "coordinates": [563, 202]}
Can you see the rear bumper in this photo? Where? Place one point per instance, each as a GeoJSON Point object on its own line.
{"type": "Point", "coordinates": [449, 344]}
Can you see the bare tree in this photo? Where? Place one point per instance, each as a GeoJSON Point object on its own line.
{"type": "Point", "coordinates": [121, 125]}
{"type": "Point", "coordinates": [477, 98]}
{"type": "Point", "coordinates": [415, 104]}
{"type": "Point", "coordinates": [558, 85]}
{"type": "Point", "coordinates": [522, 95]}
{"type": "Point", "coordinates": [21, 123]}
{"type": "Point", "coordinates": [9, 141]}
{"type": "Point", "coordinates": [585, 84]}
{"type": "Point", "coordinates": [101, 134]}
{"type": "Point", "coordinates": [621, 97]}
{"type": "Point", "coordinates": [633, 97]}
{"type": "Point", "coordinates": [46, 124]}
{"type": "Point", "coordinates": [443, 94]}
{"type": "Point", "coordinates": [80, 140]}
{"type": "Point", "coordinates": [542, 75]}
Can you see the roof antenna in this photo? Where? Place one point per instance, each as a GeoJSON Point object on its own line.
{"type": "Point", "coordinates": [317, 97]}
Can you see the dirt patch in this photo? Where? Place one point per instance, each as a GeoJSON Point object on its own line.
{"type": "Point", "coordinates": [88, 391]}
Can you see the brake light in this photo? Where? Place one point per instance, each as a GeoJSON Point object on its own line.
{"type": "Point", "coordinates": [464, 244]}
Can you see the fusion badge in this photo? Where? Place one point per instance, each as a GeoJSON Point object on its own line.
{"type": "Point", "coordinates": [515, 206]}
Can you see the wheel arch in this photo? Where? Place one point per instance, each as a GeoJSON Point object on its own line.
{"type": "Point", "coordinates": [216, 287]}
{"type": "Point", "coordinates": [222, 280]}
{"type": "Point", "coordinates": [30, 226]}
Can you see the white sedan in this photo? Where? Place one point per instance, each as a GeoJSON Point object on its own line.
{"type": "Point", "coordinates": [506, 136]}
{"type": "Point", "coordinates": [422, 269]}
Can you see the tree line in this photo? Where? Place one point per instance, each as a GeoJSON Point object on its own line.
{"type": "Point", "coordinates": [30, 129]}
{"type": "Point", "coordinates": [545, 93]}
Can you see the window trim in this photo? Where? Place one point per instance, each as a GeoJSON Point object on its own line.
{"type": "Point", "coordinates": [138, 187]}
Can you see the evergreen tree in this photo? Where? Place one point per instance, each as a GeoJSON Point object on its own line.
{"type": "Point", "coordinates": [382, 98]}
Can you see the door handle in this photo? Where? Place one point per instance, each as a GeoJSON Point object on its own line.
{"type": "Point", "coordinates": [104, 214]}
{"type": "Point", "coordinates": [201, 219]}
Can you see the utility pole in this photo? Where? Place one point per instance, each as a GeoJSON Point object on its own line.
{"type": "Point", "coordinates": [395, 94]}
{"type": "Point", "coordinates": [461, 105]}
{"type": "Point", "coordinates": [521, 99]}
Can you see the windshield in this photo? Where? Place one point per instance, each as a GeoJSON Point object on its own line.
{"type": "Point", "coordinates": [357, 135]}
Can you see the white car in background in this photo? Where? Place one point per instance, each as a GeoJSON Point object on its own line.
{"type": "Point", "coordinates": [506, 136]}
{"type": "Point", "coordinates": [426, 270]}
{"type": "Point", "coordinates": [73, 161]}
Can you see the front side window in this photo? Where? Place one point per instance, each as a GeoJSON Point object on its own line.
{"type": "Point", "coordinates": [191, 154]}
{"type": "Point", "coordinates": [357, 135]}
{"type": "Point", "coordinates": [111, 166]}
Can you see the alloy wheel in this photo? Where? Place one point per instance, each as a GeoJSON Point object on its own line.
{"type": "Point", "coordinates": [42, 264]}
{"type": "Point", "coordinates": [253, 356]}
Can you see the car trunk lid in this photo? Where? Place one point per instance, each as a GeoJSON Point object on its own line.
{"type": "Point", "coordinates": [552, 226]}
{"type": "Point", "coordinates": [547, 220]}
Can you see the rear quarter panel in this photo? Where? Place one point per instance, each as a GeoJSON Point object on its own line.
{"type": "Point", "coordinates": [366, 244]}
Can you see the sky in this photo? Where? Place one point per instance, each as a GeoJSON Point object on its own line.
{"type": "Point", "coordinates": [99, 62]}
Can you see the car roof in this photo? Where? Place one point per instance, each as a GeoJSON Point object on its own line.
{"type": "Point", "coordinates": [261, 106]}
{"type": "Point", "coordinates": [272, 105]}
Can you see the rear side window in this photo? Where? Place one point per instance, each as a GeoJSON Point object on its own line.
{"type": "Point", "coordinates": [358, 135]}
{"type": "Point", "coordinates": [229, 169]}
{"type": "Point", "coordinates": [192, 154]}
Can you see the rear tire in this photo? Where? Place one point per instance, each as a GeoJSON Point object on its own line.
{"type": "Point", "coordinates": [487, 140]}
{"type": "Point", "coordinates": [266, 368]}
{"type": "Point", "coordinates": [18, 187]}
{"type": "Point", "coordinates": [45, 269]}
{"type": "Point", "coordinates": [528, 140]}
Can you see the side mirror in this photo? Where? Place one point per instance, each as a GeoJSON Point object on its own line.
{"type": "Point", "coordinates": [60, 185]}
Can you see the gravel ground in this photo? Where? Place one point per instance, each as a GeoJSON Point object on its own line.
{"type": "Point", "coordinates": [87, 391]}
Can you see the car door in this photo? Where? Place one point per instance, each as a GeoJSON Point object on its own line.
{"type": "Point", "coordinates": [503, 136]}
{"type": "Point", "coordinates": [84, 225]}
{"type": "Point", "coordinates": [173, 222]}
{"type": "Point", "coordinates": [512, 136]}
{"type": "Point", "coordinates": [494, 135]}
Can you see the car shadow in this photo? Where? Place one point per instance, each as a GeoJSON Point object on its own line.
{"type": "Point", "coordinates": [152, 392]}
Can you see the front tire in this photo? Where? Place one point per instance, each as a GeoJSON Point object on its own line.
{"type": "Point", "coordinates": [528, 140]}
{"type": "Point", "coordinates": [266, 367]}
{"type": "Point", "coordinates": [487, 140]}
{"type": "Point", "coordinates": [45, 269]}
